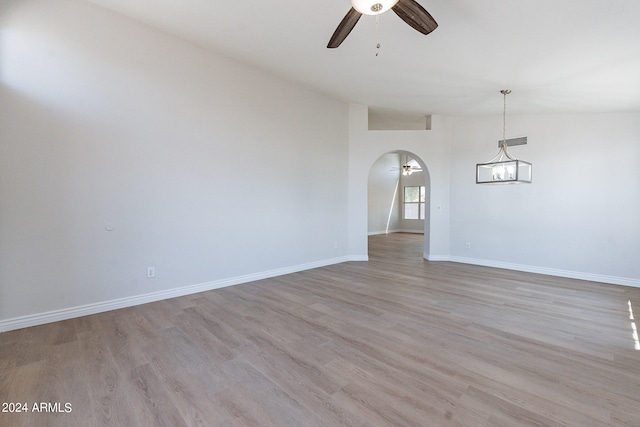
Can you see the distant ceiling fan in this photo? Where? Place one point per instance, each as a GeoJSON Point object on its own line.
{"type": "Point", "coordinates": [410, 166]}
{"type": "Point", "coordinates": [408, 10]}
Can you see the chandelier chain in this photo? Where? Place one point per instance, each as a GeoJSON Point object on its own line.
{"type": "Point", "coordinates": [504, 118]}
{"type": "Point", "coordinates": [504, 148]}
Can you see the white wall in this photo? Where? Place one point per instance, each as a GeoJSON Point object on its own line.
{"type": "Point", "coordinates": [365, 147]}
{"type": "Point", "coordinates": [384, 195]}
{"type": "Point", "coordinates": [206, 169]}
{"type": "Point", "coordinates": [579, 217]}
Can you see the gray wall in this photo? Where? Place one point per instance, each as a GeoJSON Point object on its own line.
{"type": "Point", "coordinates": [384, 195]}
{"type": "Point", "coordinates": [122, 148]}
{"type": "Point", "coordinates": [579, 217]}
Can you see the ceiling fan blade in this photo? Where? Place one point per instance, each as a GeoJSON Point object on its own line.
{"type": "Point", "coordinates": [344, 28]}
{"type": "Point", "coordinates": [415, 15]}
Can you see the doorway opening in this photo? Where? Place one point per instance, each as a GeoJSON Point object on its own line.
{"type": "Point", "coordinates": [398, 197]}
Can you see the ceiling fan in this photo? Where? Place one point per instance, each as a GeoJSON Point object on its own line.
{"type": "Point", "coordinates": [408, 10]}
{"type": "Point", "coordinates": [410, 166]}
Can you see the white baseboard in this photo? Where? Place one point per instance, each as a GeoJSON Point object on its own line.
{"type": "Point", "coordinates": [88, 309]}
{"type": "Point", "coordinates": [614, 280]}
{"type": "Point", "coordinates": [429, 257]}
{"type": "Point", "coordinates": [377, 233]}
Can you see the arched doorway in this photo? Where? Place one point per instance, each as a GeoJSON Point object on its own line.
{"type": "Point", "coordinates": [398, 196]}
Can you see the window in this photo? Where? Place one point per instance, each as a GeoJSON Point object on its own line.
{"type": "Point", "coordinates": [414, 202]}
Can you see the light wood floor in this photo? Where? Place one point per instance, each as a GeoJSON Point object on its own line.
{"type": "Point", "coordinates": [393, 341]}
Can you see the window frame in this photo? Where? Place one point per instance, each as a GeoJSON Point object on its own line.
{"type": "Point", "coordinates": [421, 202]}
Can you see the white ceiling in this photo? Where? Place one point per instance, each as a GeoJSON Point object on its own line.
{"type": "Point", "coordinates": [557, 56]}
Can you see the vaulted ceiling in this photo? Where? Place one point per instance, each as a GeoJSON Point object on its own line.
{"type": "Point", "coordinates": [557, 56]}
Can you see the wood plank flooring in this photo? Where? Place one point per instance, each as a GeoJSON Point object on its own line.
{"type": "Point", "coordinates": [396, 341]}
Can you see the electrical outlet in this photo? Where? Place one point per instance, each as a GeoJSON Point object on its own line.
{"type": "Point", "coordinates": [467, 245]}
{"type": "Point", "coordinates": [151, 272]}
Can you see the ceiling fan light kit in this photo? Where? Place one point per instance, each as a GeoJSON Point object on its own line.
{"type": "Point", "coordinates": [373, 7]}
{"type": "Point", "coordinates": [504, 168]}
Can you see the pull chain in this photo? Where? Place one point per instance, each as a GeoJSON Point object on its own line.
{"type": "Point", "coordinates": [377, 34]}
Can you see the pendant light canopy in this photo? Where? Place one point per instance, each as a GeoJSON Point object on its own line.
{"type": "Point", "coordinates": [504, 168]}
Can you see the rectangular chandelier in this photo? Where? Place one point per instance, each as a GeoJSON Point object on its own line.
{"type": "Point", "coordinates": [504, 172]}
{"type": "Point", "coordinates": [503, 168]}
